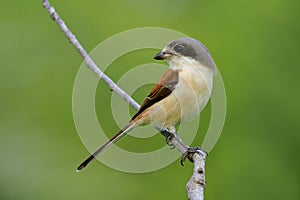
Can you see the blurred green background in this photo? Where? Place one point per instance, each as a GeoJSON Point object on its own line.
{"type": "Point", "coordinates": [256, 46]}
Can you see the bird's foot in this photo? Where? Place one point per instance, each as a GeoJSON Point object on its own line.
{"type": "Point", "coordinates": [169, 137]}
{"type": "Point", "coordinates": [169, 141]}
{"type": "Point", "coordinates": [189, 154]}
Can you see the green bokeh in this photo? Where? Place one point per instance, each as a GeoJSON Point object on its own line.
{"type": "Point", "coordinates": [256, 46]}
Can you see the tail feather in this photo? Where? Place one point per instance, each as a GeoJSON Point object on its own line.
{"type": "Point", "coordinates": [122, 133]}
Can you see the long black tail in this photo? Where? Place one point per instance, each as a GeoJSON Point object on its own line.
{"type": "Point", "coordinates": [122, 133]}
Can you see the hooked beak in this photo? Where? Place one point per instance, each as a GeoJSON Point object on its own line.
{"type": "Point", "coordinates": [162, 55]}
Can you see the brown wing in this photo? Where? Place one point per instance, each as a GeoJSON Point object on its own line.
{"type": "Point", "coordinates": [161, 90]}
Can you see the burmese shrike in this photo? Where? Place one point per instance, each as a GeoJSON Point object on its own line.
{"type": "Point", "coordinates": [179, 95]}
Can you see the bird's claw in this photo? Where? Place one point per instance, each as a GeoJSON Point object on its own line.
{"type": "Point", "coordinates": [189, 154]}
{"type": "Point", "coordinates": [169, 141]}
{"type": "Point", "coordinates": [169, 137]}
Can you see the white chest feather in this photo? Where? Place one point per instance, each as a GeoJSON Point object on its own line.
{"type": "Point", "coordinates": [194, 88]}
{"type": "Point", "coordinates": [189, 97]}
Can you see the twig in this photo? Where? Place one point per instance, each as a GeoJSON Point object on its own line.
{"type": "Point", "coordinates": [88, 61]}
{"type": "Point", "coordinates": [196, 185]}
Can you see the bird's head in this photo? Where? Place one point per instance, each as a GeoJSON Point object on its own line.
{"type": "Point", "coordinates": [187, 49]}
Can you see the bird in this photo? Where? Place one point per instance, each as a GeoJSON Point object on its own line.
{"type": "Point", "coordinates": [178, 96]}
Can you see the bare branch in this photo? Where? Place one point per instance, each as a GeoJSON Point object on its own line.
{"type": "Point", "coordinates": [88, 61]}
{"type": "Point", "coordinates": [196, 185]}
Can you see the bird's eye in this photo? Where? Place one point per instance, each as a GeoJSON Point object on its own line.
{"type": "Point", "coordinates": [179, 48]}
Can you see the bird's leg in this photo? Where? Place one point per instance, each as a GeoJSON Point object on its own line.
{"type": "Point", "coordinates": [189, 154]}
{"type": "Point", "coordinates": [169, 136]}
{"type": "Point", "coordinates": [168, 140]}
